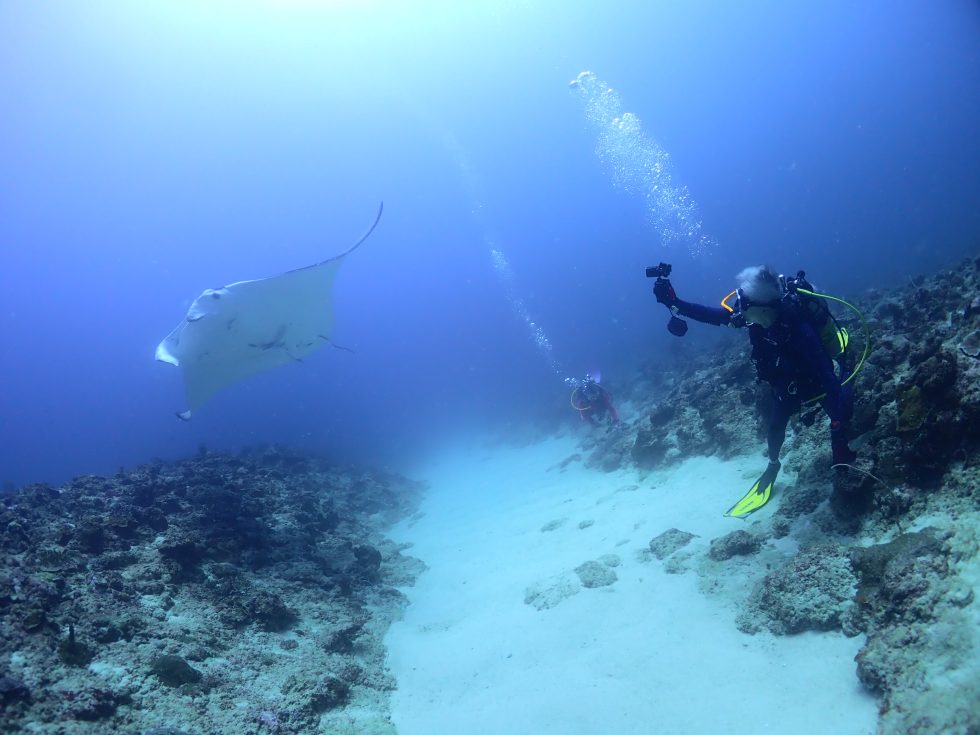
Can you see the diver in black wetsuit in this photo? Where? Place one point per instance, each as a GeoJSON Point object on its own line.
{"type": "Point", "coordinates": [790, 353]}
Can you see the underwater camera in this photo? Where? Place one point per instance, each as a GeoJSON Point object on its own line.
{"type": "Point", "coordinates": [677, 327]}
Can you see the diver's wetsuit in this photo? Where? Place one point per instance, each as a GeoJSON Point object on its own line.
{"type": "Point", "coordinates": [596, 401]}
{"type": "Point", "coordinates": [790, 357]}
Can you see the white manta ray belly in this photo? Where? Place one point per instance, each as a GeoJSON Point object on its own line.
{"type": "Point", "coordinates": [248, 327]}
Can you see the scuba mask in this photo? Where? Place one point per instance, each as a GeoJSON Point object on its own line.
{"type": "Point", "coordinates": [732, 303]}
{"type": "Point", "coordinates": [737, 303]}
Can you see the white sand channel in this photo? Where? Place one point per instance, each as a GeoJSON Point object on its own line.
{"type": "Point", "coordinates": [651, 653]}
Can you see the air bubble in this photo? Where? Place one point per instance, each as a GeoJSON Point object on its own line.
{"type": "Point", "coordinates": [639, 165]}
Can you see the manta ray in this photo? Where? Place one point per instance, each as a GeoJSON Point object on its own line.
{"type": "Point", "coordinates": [247, 327]}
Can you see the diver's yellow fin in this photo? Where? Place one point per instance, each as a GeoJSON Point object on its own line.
{"type": "Point", "coordinates": [758, 495]}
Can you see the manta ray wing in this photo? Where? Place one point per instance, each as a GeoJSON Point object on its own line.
{"type": "Point", "coordinates": [248, 327]}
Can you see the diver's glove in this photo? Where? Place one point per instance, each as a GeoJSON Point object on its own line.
{"type": "Point", "coordinates": [664, 292]}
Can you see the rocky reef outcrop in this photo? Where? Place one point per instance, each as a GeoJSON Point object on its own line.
{"type": "Point", "coordinates": [221, 594]}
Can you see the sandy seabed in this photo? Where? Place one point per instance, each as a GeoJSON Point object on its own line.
{"type": "Point", "coordinates": [652, 652]}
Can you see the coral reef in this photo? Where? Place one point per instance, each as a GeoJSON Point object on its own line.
{"type": "Point", "coordinates": [222, 594]}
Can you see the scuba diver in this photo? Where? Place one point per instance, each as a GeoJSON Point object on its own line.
{"type": "Point", "coordinates": [592, 401]}
{"type": "Point", "coordinates": [795, 343]}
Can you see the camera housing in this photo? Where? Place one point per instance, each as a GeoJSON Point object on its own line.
{"type": "Point", "coordinates": [659, 271]}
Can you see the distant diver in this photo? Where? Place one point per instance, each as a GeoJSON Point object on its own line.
{"type": "Point", "coordinates": [592, 401]}
{"type": "Point", "coordinates": [795, 343]}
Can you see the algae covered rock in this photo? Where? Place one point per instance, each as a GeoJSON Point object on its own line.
{"type": "Point", "coordinates": [921, 658]}
{"type": "Point", "coordinates": [595, 574]}
{"type": "Point", "coordinates": [911, 409]}
{"type": "Point", "coordinates": [736, 543]}
{"type": "Point", "coordinates": [812, 591]}
{"type": "Point", "coordinates": [669, 541]}
{"type": "Point", "coordinates": [173, 671]}
{"type": "Point", "coordinates": [547, 593]}
{"type": "Point", "coordinates": [183, 547]}
{"type": "Point", "coordinates": [73, 652]}
{"type": "Point", "coordinates": [341, 636]}
{"type": "Point", "coordinates": [898, 579]}
{"type": "Point", "coordinates": [91, 704]}
{"type": "Point", "coordinates": [270, 613]}
{"type": "Point", "coordinates": [330, 693]}
{"type": "Point", "coordinates": [13, 690]}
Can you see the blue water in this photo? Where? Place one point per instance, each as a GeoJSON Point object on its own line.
{"type": "Point", "coordinates": [151, 150]}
